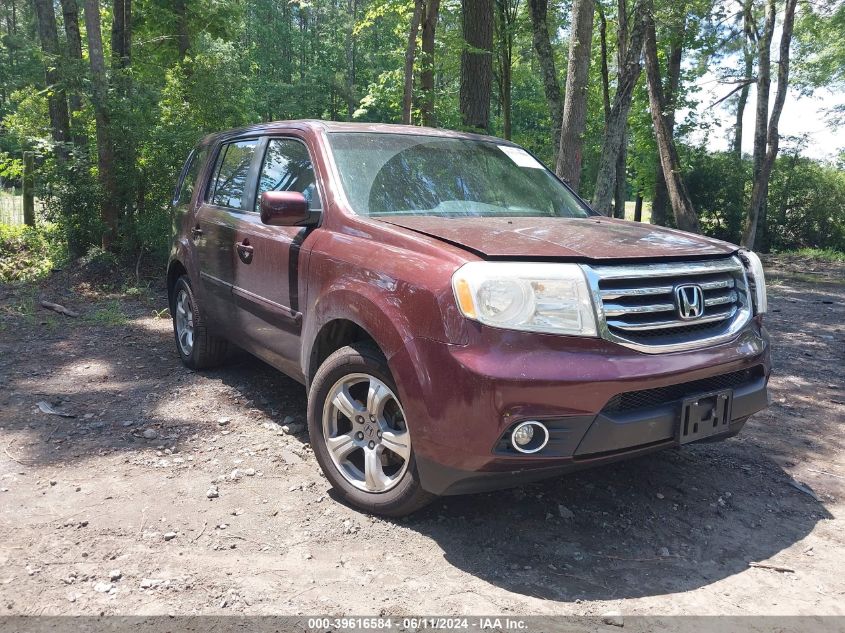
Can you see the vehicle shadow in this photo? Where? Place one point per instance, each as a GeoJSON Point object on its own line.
{"type": "Point", "coordinates": [666, 523]}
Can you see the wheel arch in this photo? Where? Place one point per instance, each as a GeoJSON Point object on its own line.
{"type": "Point", "coordinates": [174, 270]}
{"type": "Point", "coordinates": [345, 317]}
{"type": "Point", "coordinates": [332, 336]}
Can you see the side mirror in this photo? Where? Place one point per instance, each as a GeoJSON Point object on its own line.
{"type": "Point", "coordinates": [284, 208]}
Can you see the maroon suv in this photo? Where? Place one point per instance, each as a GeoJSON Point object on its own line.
{"type": "Point", "coordinates": [461, 319]}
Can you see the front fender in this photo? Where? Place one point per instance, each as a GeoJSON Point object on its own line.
{"type": "Point", "coordinates": [393, 293]}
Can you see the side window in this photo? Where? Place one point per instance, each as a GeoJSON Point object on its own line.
{"type": "Point", "coordinates": [231, 174]}
{"type": "Point", "coordinates": [287, 167]}
{"type": "Point", "coordinates": [188, 181]}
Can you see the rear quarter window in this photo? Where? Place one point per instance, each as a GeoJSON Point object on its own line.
{"type": "Point", "coordinates": [188, 177]}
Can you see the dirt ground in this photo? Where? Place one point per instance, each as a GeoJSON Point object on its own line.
{"type": "Point", "coordinates": [109, 512]}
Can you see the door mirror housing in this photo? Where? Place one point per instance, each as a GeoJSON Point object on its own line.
{"type": "Point", "coordinates": [284, 208]}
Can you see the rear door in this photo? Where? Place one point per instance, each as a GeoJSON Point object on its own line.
{"type": "Point", "coordinates": [230, 190]}
{"type": "Point", "coordinates": [272, 259]}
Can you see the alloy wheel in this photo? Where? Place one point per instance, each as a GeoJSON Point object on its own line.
{"type": "Point", "coordinates": [184, 323]}
{"type": "Point", "coordinates": [365, 433]}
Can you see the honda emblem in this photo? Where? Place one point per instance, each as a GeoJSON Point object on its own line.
{"type": "Point", "coordinates": [690, 301]}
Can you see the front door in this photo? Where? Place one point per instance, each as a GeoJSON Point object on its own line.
{"type": "Point", "coordinates": [272, 259]}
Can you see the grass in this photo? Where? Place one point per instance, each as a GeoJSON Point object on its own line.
{"type": "Point", "coordinates": [825, 254]}
{"type": "Point", "coordinates": [23, 302]}
{"type": "Point", "coordinates": [111, 314]}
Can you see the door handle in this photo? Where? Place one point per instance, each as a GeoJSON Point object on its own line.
{"type": "Point", "coordinates": [244, 251]}
{"type": "Point", "coordinates": [196, 231]}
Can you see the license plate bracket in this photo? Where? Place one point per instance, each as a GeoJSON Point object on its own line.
{"type": "Point", "coordinates": [705, 415]}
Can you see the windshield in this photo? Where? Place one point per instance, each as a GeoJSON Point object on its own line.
{"type": "Point", "coordinates": [408, 174]}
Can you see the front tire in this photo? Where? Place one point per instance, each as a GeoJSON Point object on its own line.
{"type": "Point", "coordinates": [360, 436]}
{"type": "Point", "coordinates": [197, 347]}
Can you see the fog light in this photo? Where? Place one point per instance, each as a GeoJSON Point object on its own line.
{"type": "Point", "coordinates": [523, 435]}
{"type": "Point", "coordinates": [529, 437]}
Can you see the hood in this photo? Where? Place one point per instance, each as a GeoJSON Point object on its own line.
{"type": "Point", "coordinates": [595, 238]}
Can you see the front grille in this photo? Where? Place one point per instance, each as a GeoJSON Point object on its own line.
{"type": "Point", "coordinates": [640, 308]}
{"type": "Point", "coordinates": [633, 400]}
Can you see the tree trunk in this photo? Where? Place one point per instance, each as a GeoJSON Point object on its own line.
{"type": "Point", "coordinates": [56, 98]}
{"type": "Point", "coordinates": [351, 100]}
{"type": "Point", "coordinates": [183, 39]}
{"type": "Point", "coordinates": [638, 208]}
{"type": "Point", "coordinates": [12, 31]}
{"type": "Point", "coordinates": [410, 54]}
{"type": "Point", "coordinates": [507, 72]}
{"type": "Point", "coordinates": [613, 151]}
{"type": "Point", "coordinates": [121, 60]}
{"type": "Point", "coordinates": [429, 27]}
{"type": "Point", "coordinates": [506, 14]}
{"type": "Point", "coordinates": [70, 13]}
{"type": "Point", "coordinates": [620, 188]}
{"type": "Point", "coordinates": [120, 33]}
{"type": "Point", "coordinates": [476, 63]}
{"type": "Point", "coordinates": [685, 216]}
{"type": "Point", "coordinates": [736, 146]}
{"type": "Point", "coordinates": [748, 56]}
{"type": "Point", "coordinates": [605, 73]}
{"type": "Point", "coordinates": [766, 140]}
{"type": "Point", "coordinates": [660, 201]}
{"type": "Point", "coordinates": [105, 146]}
{"type": "Point", "coordinates": [574, 117]}
{"type": "Point", "coordinates": [764, 81]}
{"type": "Point", "coordinates": [546, 57]}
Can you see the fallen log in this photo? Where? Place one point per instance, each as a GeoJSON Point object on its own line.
{"type": "Point", "coordinates": [55, 307]}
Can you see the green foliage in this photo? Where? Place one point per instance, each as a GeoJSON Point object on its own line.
{"type": "Point", "coordinates": [806, 206]}
{"type": "Point", "coordinates": [820, 56]}
{"type": "Point", "coordinates": [70, 197]}
{"type": "Point", "coordinates": [28, 253]}
{"type": "Point", "coordinates": [719, 186]}
{"type": "Point", "coordinates": [245, 61]}
{"type": "Point", "coordinates": [10, 168]}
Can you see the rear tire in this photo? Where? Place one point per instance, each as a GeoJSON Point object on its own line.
{"type": "Point", "coordinates": [353, 407]}
{"type": "Point", "coordinates": [197, 347]}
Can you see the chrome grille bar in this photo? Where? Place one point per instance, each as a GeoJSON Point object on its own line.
{"type": "Point", "coordinates": [667, 270]}
{"type": "Point", "coordinates": [659, 325]}
{"type": "Point", "coordinates": [637, 304]}
{"type": "Point", "coordinates": [634, 292]}
{"type": "Point", "coordinates": [715, 301]}
{"type": "Point", "coordinates": [614, 309]}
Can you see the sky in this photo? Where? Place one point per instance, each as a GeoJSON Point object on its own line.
{"type": "Point", "coordinates": [801, 115]}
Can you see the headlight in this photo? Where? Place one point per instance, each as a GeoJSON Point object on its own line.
{"type": "Point", "coordinates": [525, 296]}
{"type": "Point", "coordinates": [754, 268]}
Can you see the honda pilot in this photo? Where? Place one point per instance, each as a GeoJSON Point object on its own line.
{"type": "Point", "coordinates": [461, 320]}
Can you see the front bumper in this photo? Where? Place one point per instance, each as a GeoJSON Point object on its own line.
{"type": "Point", "coordinates": [461, 401]}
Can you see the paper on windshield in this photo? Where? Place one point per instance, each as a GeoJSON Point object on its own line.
{"type": "Point", "coordinates": [521, 157]}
